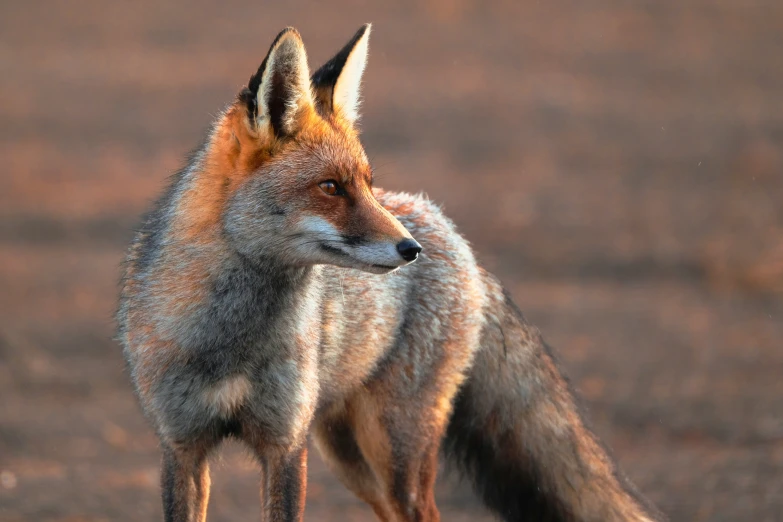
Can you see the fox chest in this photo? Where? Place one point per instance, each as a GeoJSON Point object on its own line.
{"type": "Point", "coordinates": [360, 324]}
{"type": "Point", "coordinates": [274, 370]}
{"type": "Point", "coordinates": [246, 362]}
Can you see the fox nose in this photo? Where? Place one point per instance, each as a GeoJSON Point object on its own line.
{"type": "Point", "coordinates": [409, 249]}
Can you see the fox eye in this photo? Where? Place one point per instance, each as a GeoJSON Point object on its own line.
{"type": "Point", "coordinates": [331, 187]}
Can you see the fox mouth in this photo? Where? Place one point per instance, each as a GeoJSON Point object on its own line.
{"type": "Point", "coordinates": [385, 267]}
{"type": "Point", "coordinates": [339, 252]}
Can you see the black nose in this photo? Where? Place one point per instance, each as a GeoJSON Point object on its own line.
{"type": "Point", "coordinates": [409, 249]}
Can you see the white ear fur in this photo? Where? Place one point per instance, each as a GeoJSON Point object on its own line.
{"type": "Point", "coordinates": [285, 84]}
{"type": "Point", "coordinates": [347, 90]}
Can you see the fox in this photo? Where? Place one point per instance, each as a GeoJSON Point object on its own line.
{"type": "Point", "coordinates": [275, 296]}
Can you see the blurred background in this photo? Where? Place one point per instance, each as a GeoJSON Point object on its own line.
{"type": "Point", "coordinates": [618, 164]}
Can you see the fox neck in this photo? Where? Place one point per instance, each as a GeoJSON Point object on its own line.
{"type": "Point", "coordinates": [247, 303]}
{"type": "Point", "coordinates": [270, 272]}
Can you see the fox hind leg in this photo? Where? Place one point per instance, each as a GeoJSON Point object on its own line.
{"type": "Point", "coordinates": [402, 455]}
{"type": "Point", "coordinates": [385, 459]}
{"type": "Point", "coordinates": [334, 437]}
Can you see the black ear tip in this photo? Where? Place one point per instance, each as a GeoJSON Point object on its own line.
{"type": "Point", "coordinates": [357, 37]}
{"type": "Point", "coordinates": [288, 30]}
{"type": "Point", "coordinates": [364, 29]}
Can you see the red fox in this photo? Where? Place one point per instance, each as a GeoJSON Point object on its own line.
{"type": "Point", "coordinates": [272, 295]}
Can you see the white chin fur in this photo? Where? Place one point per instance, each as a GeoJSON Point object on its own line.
{"type": "Point", "coordinates": [377, 269]}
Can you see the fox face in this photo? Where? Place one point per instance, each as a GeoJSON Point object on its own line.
{"type": "Point", "coordinates": [306, 197]}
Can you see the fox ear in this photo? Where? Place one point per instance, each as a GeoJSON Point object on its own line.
{"type": "Point", "coordinates": [336, 84]}
{"type": "Point", "coordinates": [280, 88]}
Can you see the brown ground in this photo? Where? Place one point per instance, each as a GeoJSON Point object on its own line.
{"type": "Point", "coordinates": [618, 165]}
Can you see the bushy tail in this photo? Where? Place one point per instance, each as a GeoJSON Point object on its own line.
{"type": "Point", "coordinates": [517, 435]}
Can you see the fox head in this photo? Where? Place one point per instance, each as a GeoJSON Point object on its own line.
{"type": "Point", "coordinates": [294, 181]}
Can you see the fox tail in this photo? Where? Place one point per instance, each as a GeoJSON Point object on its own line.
{"type": "Point", "coordinates": [517, 435]}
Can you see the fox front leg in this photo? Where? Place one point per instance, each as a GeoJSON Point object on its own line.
{"type": "Point", "coordinates": [185, 483]}
{"type": "Point", "coordinates": [284, 485]}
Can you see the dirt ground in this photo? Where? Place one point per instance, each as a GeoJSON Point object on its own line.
{"type": "Point", "coordinates": [617, 164]}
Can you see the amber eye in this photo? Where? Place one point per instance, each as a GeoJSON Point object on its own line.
{"type": "Point", "coordinates": [330, 187]}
